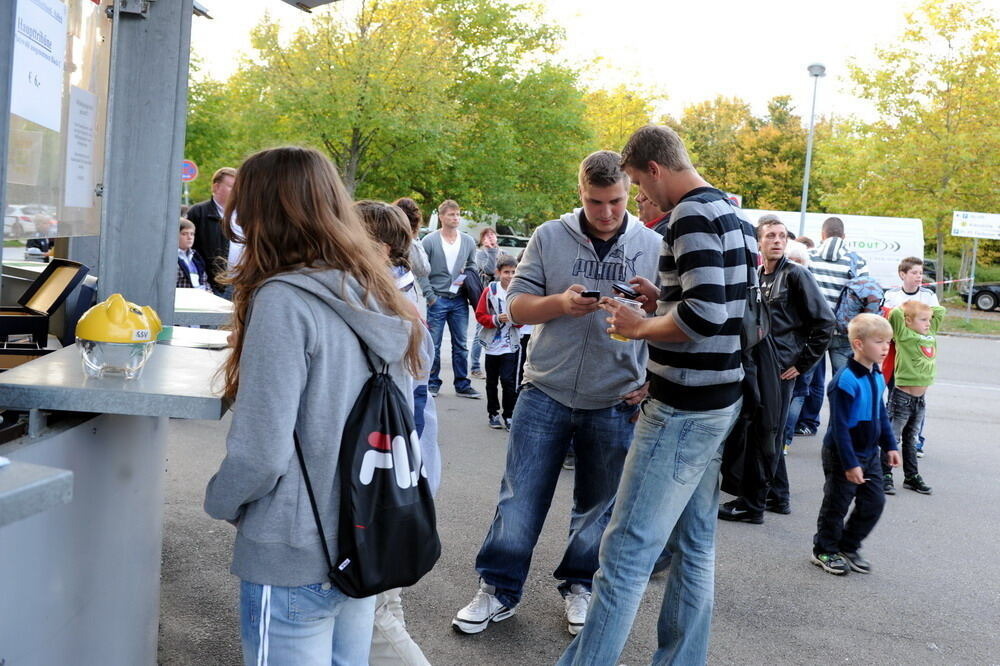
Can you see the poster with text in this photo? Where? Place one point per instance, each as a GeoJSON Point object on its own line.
{"type": "Point", "coordinates": [39, 51]}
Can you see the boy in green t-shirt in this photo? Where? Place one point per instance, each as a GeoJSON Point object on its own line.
{"type": "Point", "coordinates": [914, 327]}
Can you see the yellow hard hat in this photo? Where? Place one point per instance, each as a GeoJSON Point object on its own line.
{"type": "Point", "coordinates": [117, 320]}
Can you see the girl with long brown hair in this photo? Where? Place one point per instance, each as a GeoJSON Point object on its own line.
{"type": "Point", "coordinates": [311, 285]}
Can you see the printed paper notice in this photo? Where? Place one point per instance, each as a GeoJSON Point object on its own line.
{"type": "Point", "coordinates": [80, 130]}
{"type": "Point", "coordinates": [39, 51]}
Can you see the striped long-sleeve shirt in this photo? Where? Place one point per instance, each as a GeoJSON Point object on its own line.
{"type": "Point", "coordinates": [833, 265]}
{"type": "Point", "coordinates": [703, 282]}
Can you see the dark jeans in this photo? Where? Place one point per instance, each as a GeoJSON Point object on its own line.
{"type": "Point", "coordinates": [540, 434]}
{"type": "Point", "coordinates": [453, 311]}
{"type": "Point", "coordinates": [762, 475]}
{"type": "Point", "coordinates": [501, 368]}
{"type": "Point", "coordinates": [522, 357]}
{"type": "Point", "coordinates": [907, 415]}
{"type": "Point", "coordinates": [832, 534]}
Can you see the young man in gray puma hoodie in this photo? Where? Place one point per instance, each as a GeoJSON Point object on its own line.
{"type": "Point", "coordinates": [580, 386]}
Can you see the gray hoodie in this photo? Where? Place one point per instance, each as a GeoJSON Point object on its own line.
{"type": "Point", "coordinates": [302, 368]}
{"type": "Point", "coordinates": [572, 359]}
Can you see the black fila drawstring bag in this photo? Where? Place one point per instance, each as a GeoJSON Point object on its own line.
{"type": "Point", "coordinates": [387, 535]}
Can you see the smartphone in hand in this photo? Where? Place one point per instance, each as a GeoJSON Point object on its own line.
{"type": "Point", "coordinates": [625, 290]}
{"type": "Point", "coordinates": [591, 293]}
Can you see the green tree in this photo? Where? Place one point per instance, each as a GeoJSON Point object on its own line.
{"type": "Point", "coordinates": [935, 146]}
{"type": "Point", "coordinates": [767, 167]}
{"type": "Point", "coordinates": [615, 113]}
{"type": "Point", "coordinates": [711, 131]}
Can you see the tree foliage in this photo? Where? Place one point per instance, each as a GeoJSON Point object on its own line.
{"type": "Point", "coordinates": [935, 145]}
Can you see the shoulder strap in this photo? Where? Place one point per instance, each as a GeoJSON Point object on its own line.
{"type": "Point", "coordinates": [312, 503]}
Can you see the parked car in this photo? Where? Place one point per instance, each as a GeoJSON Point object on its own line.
{"type": "Point", "coordinates": [20, 221]}
{"type": "Point", "coordinates": [515, 243]}
{"type": "Point", "coordinates": [984, 296]}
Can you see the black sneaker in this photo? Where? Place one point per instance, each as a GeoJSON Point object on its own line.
{"type": "Point", "coordinates": [496, 422]}
{"type": "Point", "coordinates": [433, 390]}
{"type": "Point", "coordinates": [737, 512]}
{"type": "Point", "coordinates": [856, 561]}
{"type": "Point", "coordinates": [805, 431]}
{"type": "Point", "coordinates": [831, 563]}
{"type": "Point", "coordinates": [778, 506]}
{"type": "Point", "coordinates": [468, 393]}
{"type": "Point", "coordinates": [887, 485]}
{"type": "Point", "coordinates": [916, 483]}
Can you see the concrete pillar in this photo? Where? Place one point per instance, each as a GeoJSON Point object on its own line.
{"type": "Point", "coordinates": [142, 187]}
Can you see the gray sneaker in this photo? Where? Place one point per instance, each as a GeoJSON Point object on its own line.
{"type": "Point", "coordinates": [483, 609]}
{"type": "Point", "coordinates": [469, 393]}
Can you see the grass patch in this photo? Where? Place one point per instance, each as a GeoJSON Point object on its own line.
{"type": "Point", "coordinates": [13, 243]}
{"type": "Point", "coordinates": [955, 322]}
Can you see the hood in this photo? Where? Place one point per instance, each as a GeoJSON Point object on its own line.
{"type": "Point", "coordinates": [571, 221]}
{"type": "Point", "coordinates": [832, 249]}
{"type": "Point", "coordinates": [387, 336]}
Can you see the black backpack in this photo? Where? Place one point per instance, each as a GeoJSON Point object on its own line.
{"type": "Point", "coordinates": [387, 536]}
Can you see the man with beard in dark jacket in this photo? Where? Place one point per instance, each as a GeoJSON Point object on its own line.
{"type": "Point", "coordinates": [801, 328]}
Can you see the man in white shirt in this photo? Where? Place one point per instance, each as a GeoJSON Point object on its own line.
{"type": "Point", "coordinates": [450, 253]}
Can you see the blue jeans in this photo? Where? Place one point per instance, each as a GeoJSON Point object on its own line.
{"type": "Point", "coordinates": [669, 488]}
{"type": "Point", "coordinates": [812, 403]}
{"type": "Point", "coordinates": [455, 313]}
{"type": "Point", "coordinates": [477, 350]}
{"type": "Point", "coordinates": [839, 350]}
{"type": "Point", "coordinates": [540, 434]}
{"type": "Point", "coordinates": [800, 393]}
{"type": "Point", "coordinates": [312, 625]}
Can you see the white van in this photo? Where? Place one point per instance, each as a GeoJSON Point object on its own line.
{"type": "Point", "coordinates": [882, 241]}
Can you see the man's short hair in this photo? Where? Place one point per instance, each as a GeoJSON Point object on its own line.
{"type": "Point", "coordinates": [602, 169]}
{"type": "Point", "coordinates": [913, 307]}
{"type": "Point", "coordinates": [505, 261]}
{"type": "Point", "coordinates": [222, 173]}
{"type": "Point", "coordinates": [768, 220]}
{"type": "Point", "coordinates": [655, 143]}
{"type": "Point", "coordinates": [906, 264]}
{"type": "Point", "coordinates": [448, 204]}
{"type": "Point", "coordinates": [808, 242]}
{"type": "Point", "coordinates": [833, 227]}
{"type": "Point", "coordinates": [186, 224]}
{"type": "Point", "coordinates": [867, 325]}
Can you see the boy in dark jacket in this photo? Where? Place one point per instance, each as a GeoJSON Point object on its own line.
{"type": "Point", "coordinates": [859, 427]}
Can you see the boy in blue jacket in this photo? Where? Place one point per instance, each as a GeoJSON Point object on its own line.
{"type": "Point", "coordinates": [859, 430]}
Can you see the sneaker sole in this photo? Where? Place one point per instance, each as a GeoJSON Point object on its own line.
{"type": "Point", "coordinates": [823, 565]}
{"type": "Point", "coordinates": [574, 628]}
{"type": "Point", "coordinates": [929, 491]}
{"type": "Point", "coordinates": [496, 427]}
{"type": "Point", "coordinates": [475, 396]}
{"type": "Point", "coordinates": [468, 627]}
{"type": "Point", "coordinates": [890, 491]}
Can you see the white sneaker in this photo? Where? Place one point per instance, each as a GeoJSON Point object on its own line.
{"type": "Point", "coordinates": [577, 602]}
{"type": "Point", "coordinates": [483, 608]}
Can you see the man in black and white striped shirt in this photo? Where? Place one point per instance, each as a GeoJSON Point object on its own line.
{"type": "Point", "coordinates": [670, 485]}
{"type": "Point", "coordinates": [833, 265]}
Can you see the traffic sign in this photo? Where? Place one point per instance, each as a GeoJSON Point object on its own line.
{"type": "Point", "coordinates": [975, 225]}
{"type": "Point", "coordinates": [189, 171]}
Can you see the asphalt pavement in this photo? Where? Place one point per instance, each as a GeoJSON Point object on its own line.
{"type": "Point", "coordinates": [933, 596]}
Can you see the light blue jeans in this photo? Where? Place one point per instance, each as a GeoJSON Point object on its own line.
{"type": "Point", "coordinates": [669, 494]}
{"type": "Point", "coordinates": [312, 625]}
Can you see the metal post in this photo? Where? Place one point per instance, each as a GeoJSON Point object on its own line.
{"type": "Point", "coordinates": [8, 16]}
{"type": "Point", "coordinates": [972, 280]}
{"type": "Point", "coordinates": [815, 71]}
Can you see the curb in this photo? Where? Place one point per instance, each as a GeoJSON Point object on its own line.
{"type": "Point", "coordinates": [981, 336]}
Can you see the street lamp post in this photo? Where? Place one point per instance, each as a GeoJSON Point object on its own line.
{"type": "Point", "coordinates": [816, 70]}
